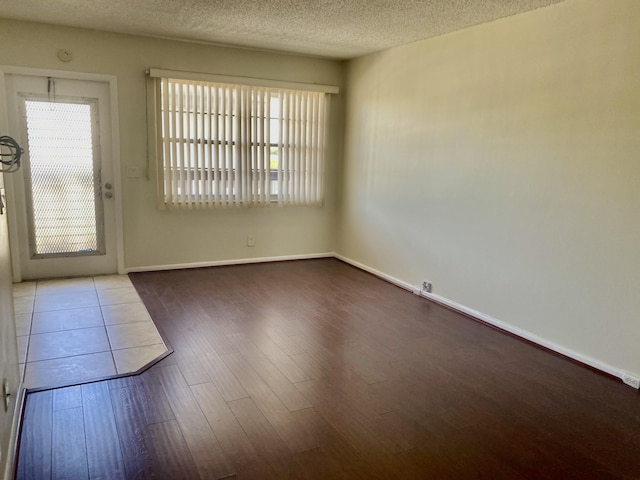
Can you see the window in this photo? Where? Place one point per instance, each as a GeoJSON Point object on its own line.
{"type": "Point", "coordinates": [227, 144]}
{"type": "Point", "coordinates": [64, 206]}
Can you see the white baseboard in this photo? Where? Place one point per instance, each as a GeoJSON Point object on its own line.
{"type": "Point", "coordinates": [507, 327]}
{"type": "Point", "coordinates": [237, 261]}
{"type": "Point", "coordinates": [378, 273]}
{"type": "Point", "coordinates": [519, 332]}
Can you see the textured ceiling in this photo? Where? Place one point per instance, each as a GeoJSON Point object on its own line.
{"type": "Point", "coordinates": [330, 28]}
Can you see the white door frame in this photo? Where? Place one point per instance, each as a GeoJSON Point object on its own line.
{"type": "Point", "coordinates": [12, 215]}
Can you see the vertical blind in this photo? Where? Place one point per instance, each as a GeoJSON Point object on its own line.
{"type": "Point", "coordinates": [239, 145]}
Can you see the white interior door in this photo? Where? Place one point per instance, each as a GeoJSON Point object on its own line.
{"type": "Point", "coordinates": [65, 201]}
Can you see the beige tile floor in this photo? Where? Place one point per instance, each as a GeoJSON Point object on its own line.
{"type": "Point", "coordinates": [80, 329]}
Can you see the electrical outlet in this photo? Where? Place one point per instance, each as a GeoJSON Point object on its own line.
{"type": "Point", "coordinates": [251, 241]}
{"type": "Point", "coordinates": [631, 380]}
{"type": "Point", "coordinates": [426, 287]}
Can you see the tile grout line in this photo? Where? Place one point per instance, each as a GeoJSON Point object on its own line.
{"type": "Point", "coordinates": [106, 332]}
{"type": "Point", "coordinates": [23, 374]}
{"type": "Point", "coordinates": [104, 327]}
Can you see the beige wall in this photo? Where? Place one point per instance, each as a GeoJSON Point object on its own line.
{"type": "Point", "coordinates": [154, 237]}
{"type": "Point", "coordinates": [8, 346]}
{"type": "Point", "coordinates": [502, 164]}
{"type": "Point", "coordinates": [499, 162]}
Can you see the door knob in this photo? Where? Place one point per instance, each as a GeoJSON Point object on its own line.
{"type": "Point", "coordinates": [107, 186]}
{"type": "Point", "coordinates": [108, 195]}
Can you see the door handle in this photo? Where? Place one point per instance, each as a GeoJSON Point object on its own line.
{"type": "Point", "coordinates": [108, 195]}
{"type": "Point", "coordinates": [107, 186]}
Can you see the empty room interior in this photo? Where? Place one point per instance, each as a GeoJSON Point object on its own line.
{"type": "Point", "coordinates": [317, 240]}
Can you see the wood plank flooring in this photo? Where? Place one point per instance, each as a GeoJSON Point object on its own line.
{"type": "Point", "coordinates": [316, 370]}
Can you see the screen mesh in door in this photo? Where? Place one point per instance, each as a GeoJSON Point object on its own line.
{"type": "Point", "coordinates": [63, 188]}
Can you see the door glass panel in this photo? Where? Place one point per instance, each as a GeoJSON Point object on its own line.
{"type": "Point", "coordinates": [65, 206]}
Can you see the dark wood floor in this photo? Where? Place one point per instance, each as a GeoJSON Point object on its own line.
{"type": "Point", "coordinates": [316, 370]}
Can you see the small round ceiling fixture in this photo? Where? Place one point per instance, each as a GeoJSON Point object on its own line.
{"type": "Point", "coordinates": [64, 55]}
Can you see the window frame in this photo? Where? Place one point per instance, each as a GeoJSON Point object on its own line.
{"type": "Point", "coordinates": [253, 142]}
